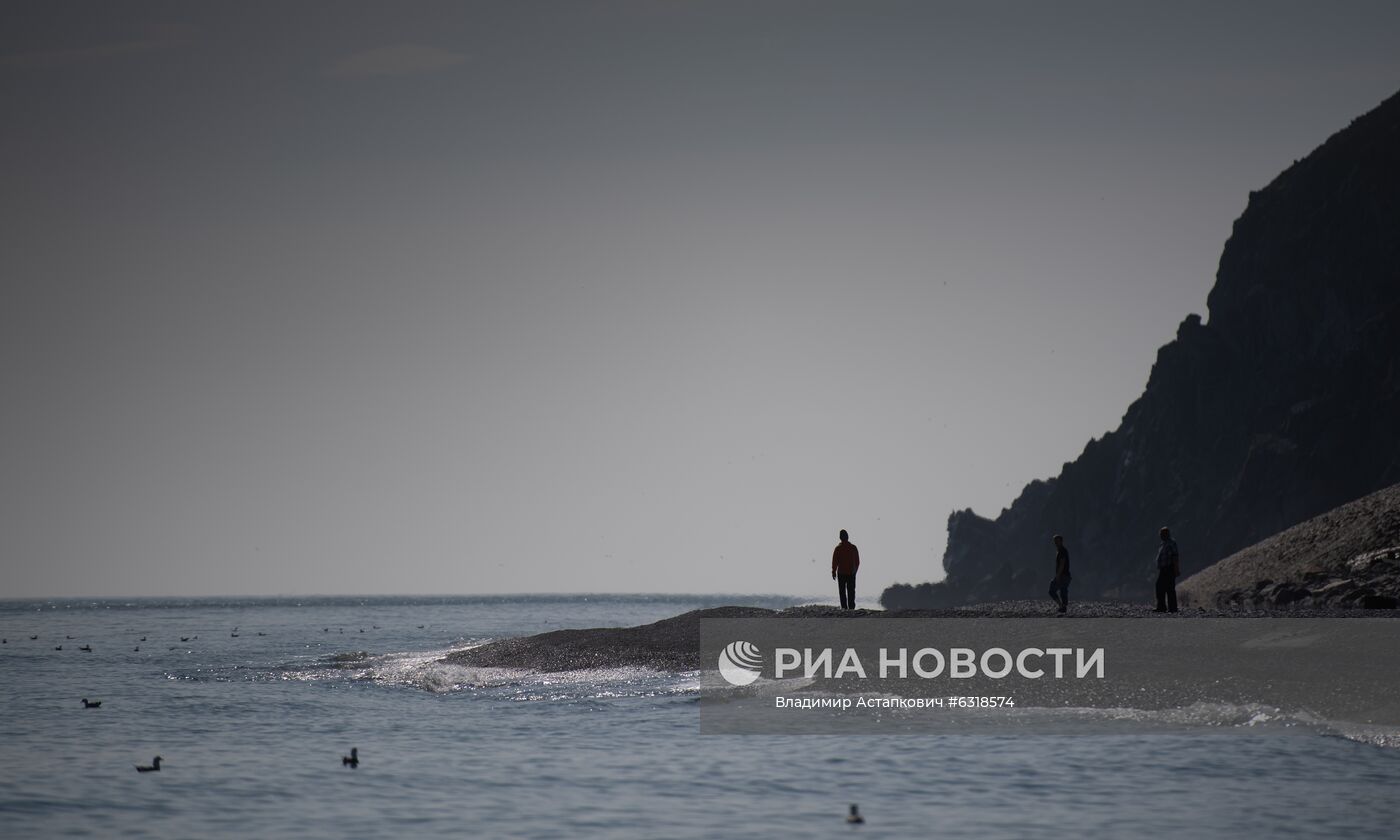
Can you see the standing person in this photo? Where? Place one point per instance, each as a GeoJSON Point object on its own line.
{"type": "Point", "coordinates": [845, 560]}
{"type": "Point", "coordinates": [1059, 584]}
{"type": "Point", "coordinates": [1168, 570]}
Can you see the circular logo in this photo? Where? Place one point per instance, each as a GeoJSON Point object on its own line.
{"type": "Point", "coordinates": [740, 663]}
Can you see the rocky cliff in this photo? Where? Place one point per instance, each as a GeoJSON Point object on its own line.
{"type": "Point", "coordinates": [1284, 404]}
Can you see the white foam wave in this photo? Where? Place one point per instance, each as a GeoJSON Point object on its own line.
{"type": "Point", "coordinates": [427, 671]}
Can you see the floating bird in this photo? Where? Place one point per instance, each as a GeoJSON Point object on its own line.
{"type": "Point", "coordinates": [60, 647]}
{"type": "Point", "coordinates": [325, 629]}
{"type": "Point", "coordinates": [143, 638]}
{"type": "Point", "coordinates": [91, 704]}
{"type": "Point", "coordinates": [375, 626]}
{"type": "Point", "coordinates": [184, 638]}
{"type": "Point", "coordinates": [32, 638]}
{"type": "Point", "coordinates": [351, 760]}
{"type": "Point", "coordinates": [362, 629]}
{"type": "Point", "coordinates": [420, 627]}
{"type": "Point", "coordinates": [67, 637]}
{"type": "Point", "coordinates": [854, 818]}
{"type": "Point", "coordinates": [87, 648]}
{"type": "Point", "coordinates": [153, 768]}
{"type": "Point", "coordinates": [261, 633]}
{"type": "Point", "coordinates": [136, 649]}
{"type": "Point", "coordinates": [233, 635]}
{"type": "Point", "coordinates": [4, 641]}
{"type": "Point", "coordinates": [172, 647]}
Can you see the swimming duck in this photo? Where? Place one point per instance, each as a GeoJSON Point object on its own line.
{"type": "Point", "coordinates": [60, 647]}
{"type": "Point", "coordinates": [32, 638]}
{"type": "Point", "coordinates": [153, 768]}
{"type": "Point", "coordinates": [351, 760]}
{"type": "Point", "coordinates": [91, 704]}
{"type": "Point", "coordinates": [184, 638]}
{"type": "Point", "coordinates": [143, 638]}
{"type": "Point", "coordinates": [854, 818]}
{"type": "Point", "coordinates": [136, 649]}
{"type": "Point", "coordinates": [87, 648]}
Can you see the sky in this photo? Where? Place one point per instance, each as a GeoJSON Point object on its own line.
{"type": "Point", "coordinates": [458, 298]}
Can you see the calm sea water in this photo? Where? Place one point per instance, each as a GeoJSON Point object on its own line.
{"type": "Point", "coordinates": [252, 728]}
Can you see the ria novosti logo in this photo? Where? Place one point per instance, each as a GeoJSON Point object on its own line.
{"type": "Point", "coordinates": [740, 663]}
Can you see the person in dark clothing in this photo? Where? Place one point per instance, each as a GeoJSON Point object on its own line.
{"type": "Point", "coordinates": [1059, 584]}
{"type": "Point", "coordinates": [845, 560]}
{"type": "Point", "coordinates": [1168, 570]}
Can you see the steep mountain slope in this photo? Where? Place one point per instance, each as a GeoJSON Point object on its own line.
{"type": "Point", "coordinates": [1347, 557]}
{"type": "Point", "coordinates": [1285, 404]}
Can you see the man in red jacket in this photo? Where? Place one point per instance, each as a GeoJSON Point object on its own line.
{"type": "Point", "coordinates": [845, 560]}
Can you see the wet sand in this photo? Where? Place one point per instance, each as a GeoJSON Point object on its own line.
{"type": "Point", "coordinates": [673, 644]}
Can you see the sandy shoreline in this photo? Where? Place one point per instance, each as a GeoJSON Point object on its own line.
{"type": "Point", "coordinates": [672, 644]}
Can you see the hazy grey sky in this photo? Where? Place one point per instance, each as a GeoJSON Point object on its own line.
{"type": "Point", "coordinates": [648, 296]}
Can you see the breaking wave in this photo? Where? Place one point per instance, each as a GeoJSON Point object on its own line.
{"type": "Point", "coordinates": [426, 671]}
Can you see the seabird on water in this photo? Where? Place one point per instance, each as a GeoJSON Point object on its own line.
{"type": "Point", "coordinates": [153, 768]}
{"type": "Point", "coordinates": [351, 760]}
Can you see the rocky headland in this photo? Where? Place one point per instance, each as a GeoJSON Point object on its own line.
{"type": "Point", "coordinates": [1283, 405]}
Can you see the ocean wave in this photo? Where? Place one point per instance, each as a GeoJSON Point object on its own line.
{"type": "Point", "coordinates": [1246, 716]}
{"type": "Point", "coordinates": [427, 671]}
{"type": "Point", "coordinates": [1040, 720]}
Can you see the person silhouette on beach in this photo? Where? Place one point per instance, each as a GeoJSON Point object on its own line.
{"type": "Point", "coordinates": [1168, 570]}
{"type": "Point", "coordinates": [1059, 584]}
{"type": "Point", "coordinates": [845, 560]}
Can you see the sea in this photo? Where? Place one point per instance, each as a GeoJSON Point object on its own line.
{"type": "Point", "coordinates": [253, 702]}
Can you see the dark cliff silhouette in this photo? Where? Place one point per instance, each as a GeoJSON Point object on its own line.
{"type": "Point", "coordinates": [1284, 404]}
